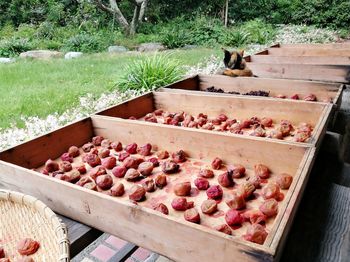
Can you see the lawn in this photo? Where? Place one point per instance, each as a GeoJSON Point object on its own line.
{"type": "Point", "coordinates": [39, 88]}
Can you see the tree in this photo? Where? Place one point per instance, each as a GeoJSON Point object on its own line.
{"type": "Point", "coordinates": [112, 7]}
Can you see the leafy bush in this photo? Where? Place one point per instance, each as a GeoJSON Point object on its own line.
{"type": "Point", "coordinates": [150, 73]}
{"type": "Point", "coordinates": [258, 32]}
{"type": "Point", "coordinates": [83, 42]}
{"type": "Point", "coordinates": [14, 46]}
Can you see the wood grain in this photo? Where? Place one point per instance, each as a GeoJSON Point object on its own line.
{"type": "Point", "coordinates": [291, 51]}
{"type": "Point", "coordinates": [311, 60]}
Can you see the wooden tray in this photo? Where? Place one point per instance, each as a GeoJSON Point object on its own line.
{"type": "Point", "coordinates": [168, 235]}
{"type": "Point", "coordinates": [325, 92]}
{"type": "Point", "coordinates": [316, 114]}
{"type": "Point", "coordinates": [344, 45]}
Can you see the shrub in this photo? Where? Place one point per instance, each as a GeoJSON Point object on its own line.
{"type": "Point", "coordinates": [258, 32]}
{"type": "Point", "coordinates": [14, 46]}
{"type": "Point", "coordinates": [150, 72]}
{"type": "Point", "coordinates": [83, 42]}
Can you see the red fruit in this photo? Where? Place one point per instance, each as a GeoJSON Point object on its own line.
{"type": "Point", "coordinates": [216, 164]}
{"type": "Point", "coordinates": [201, 115]}
{"type": "Point", "coordinates": [188, 119]}
{"type": "Point", "coordinates": [256, 233]}
{"type": "Point", "coordinates": [145, 168]}
{"type": "Point", "coordinates": [162, 154]}
{"type": "Point", "coordinates": [230, 122]}
{"type": "Point", "coordinates": [269, 207]}
{"type": "Point", "coordinates": [225, 179]}
{"type": "Point", "coordinates": [310, 97]}
{"type": "Point", "coordinates": [246, 189]}
{"type": "Point", "coordinates": [161, 181]}
{"type": "Point", "coordinates": [2, 252]}
{"type": "Point", "coordinates": [137, 193]}
{"type": "Point", "coordinates": [27, 246]}
{"type": "Point", "coordinates": [51, 166]}
{"type": "Point", "coordinates": [201, 121]}
{"type": "Point", "coordinates": [106, 143]}
{"type": "Point", "coordinates": [193, 124]}
{"type": "Point", "coordinates": [131, 148]}
{"type": "Point", "coordinates": [208, 126]}
{"type": "Point", "coordinates": [214, 192]}
{"type": "Point", "coordinates": [66, 166]}
{"type": "Point", "coordinates": [236, 202]}
{"type": "Point", "coordinates": [158, 112]}
{"type": "Point", "coordinates": [154, 161]}
{"type": "Point", "coordinates": [215, 121]}
{"type": "Point", "coordinates": [145, 150]}
{"type": "Point", "coordinates": [238, 171]}
{"type": "Point", "coordinates": [245, 123]}
{"type": "Point", "coordinates": [254, 216]}
{"type": "Point", "coordinates": [284, 180]}
{"type": "Point", "coordinates": [206, 173]}
{"type": "Point", "coordinates": [169, 167]}
{"type": "Point", "coordinates": [222, 117]}
{"type": "Point", "coordinates": [97, 171]}
{"type": "Point", "coordinates": [192, 215]}
{"type": "Point", "coordinates": [97, 140]}
{"type": "Point", "coordinates": [84, 180]}
{"type": "Point", "coordinates": [67, 157]}
{"type": "Point", "coordinates": [45, 172]}
{"type": "Point", "coordinates": [132, 174]}
{"type": "Point", "coordinates": [266, 121]}
{"type": "Point", "coordinates": [122, 156]}
{"type": "Point", "coordinates": [93, 160]}
{"type": "Point", "coordinates": [103, 152]}
{"type": "Point", "coordinates": [72, 176]}
{"type": "Point", "coordinates": [81, 169]}
{"type": "Point", "coordinates": [295, 97]}
{"type": "Point", "coordinates": [236, 128]}
{"type": "Point", "coordinates": [254, 121]}
{"type": "Point", "coordinates": [167, 120]}
{"type": "Point", "coordinates": [179, 156]}
{"type": "Point", "coordinates": [201, 183]}
{"type": "Point", "coordinates": [91, 186]}
{"type": "Point", "coordinates": [209, 206]}
{"type": "Point", "coordinates": [131, 162]}
{"type": "Point", "coordinates": [151, 119]}
{"type": "Point", "coordinates": [117, 190]}
{"type": "Point", "coordinates": [270, 190]}
{"type": "Point", "coordinates": [281, 96]}
{"type": "Point", "coordinates": [233, 217]}
{"type": "Point", "coordinates": [117, 146]}
{"type": "Point", "coordinates": [182, 189]}
{"type": "Point", "coordinates": [109, 162]}
{"type": "Point", "coordinates": [262, 171]}
{"type": "Point", "coordinates": [162, 208]}
{"type": "Point", "coordinates": [277, 134]}
{"type": "Point", "coordinates": [301, 137]}
{"type": "Point", "coordinates": [224, 229]}
{"type": "Point", "coordinates": [180, 204]}
{"type": "Point", "coordinates": [104, 182]}
{"type": "Point", "coordinates": [255, 180]}
{"type": "Point", "coordinates": [119, 171]}
{"type": "Point", "coordinates": [149, 185]}
{"type": "Point", "coordinates": [87, 147]}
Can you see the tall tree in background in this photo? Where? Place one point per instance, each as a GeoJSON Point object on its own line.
{"type": "Point", "coordinates": [112, 7]}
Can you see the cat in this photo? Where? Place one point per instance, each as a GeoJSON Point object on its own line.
{"type": "Point", "coordinates": [235, 65]}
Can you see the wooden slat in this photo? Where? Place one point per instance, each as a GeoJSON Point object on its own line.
{"type": "Point", "coordinates": [328, 73]}
{"type": "Point", "coordinates": [311, 60]}
{"type": "Point", "coordinates": [308, 52]}
{"type": "Point", "coordinates": [344, 45]}
{"type": "Point", "coordinates": [190, 83]}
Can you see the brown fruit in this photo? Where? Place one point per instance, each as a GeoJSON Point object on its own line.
{"type": "Point", "coordinates": [209, 206]}
{"type": "Point", "coordinates": [82, 169]}
{"type": "Point", "coordinates": [215, 121]}
{"type": "Point", "coordinates": [262, 171]}
{"type": "Point", "coordinates": [145, 150]}
{"type": "Point", "coordinates": [236, 202]}
{"type": "Point", "coordinates": [238, 171]}
{"type": "Point", "coordinates": [149, 185]}
{"type": "Point", "coordinates": [119, 171]}
{"type": "Point", "coordinates": [246, 123]}
{"type": "Point", "coordinates": [256, 233]}
{"type": "Point", "coordinates": [87, 147]}
{"type": "Point", "coordinates": [192, 215]}
{"type": "Point", "coordinates": [284, 180]}
{"type": "Point", "coordinates": [224, 229]}
{"type": "Point", "coordinates": [202, 121]}
{"type": "Point", "coordinates": [214, 192]}
{"type": "Point", "coordinates": [131, 148]}
{"type": "Point", "coordinates": [27, 246]}
{"type": "Point", "coordinates": [154, 161]}
{"type": "Point", "coordinates": [162, 154]}
{"type": "Point", "coordinates": [104, 152]}
{"type": "Point", "coordinates": [72, 176]}
{"type": "Point", "coordinates": [222, 117]}
{"type": "Point", "coordinates": [169, 166]}
{"type": "Point", "coordinates": [158, 112]}
{"type": "Point", "coordinates": [51, 166]}
{"type": "Point", "coordinates": [182, 189]}
{"type": "Point", "coordinates": [269, 207]}
{"type": "Point", "coordinates": [216, 164]}
{"type": "Point", "coordinates": [254, 216]}
{"type": "Point", "coordinates": [117, 146]}
{"type": "Point", "coordinates": [201, 115]}
{"type": "Point", "coordinates": [277, 134]}
{"type": "Point", "coordinates": [161, 181]}
{"type": "Point", "coordinates": [146, 168]}
{"type": "Point", "coordinates": [161, 208]}
{"type": "Point", "coordinates": [255, 180]}
{"type": "Point", "coordinates": [181, 204]}
{"type": "Point", "coordinates": [208, 126]}
{"type": "Point", "coordinates": [97, 140]}
{"type": "Point", "coordinates": [206, 173]}
{"type": "Point", "coordinates": [106, 143]}
{"type": "Point", "coordinates": [266, 121]}
{"type": "Point", "coordinates": [91, 186]}
{"type": "Point", "coordinates": [246, 189]}
{"type": "Point", "coordinates": [179, 156]}
{"type": "Point", "coordinates": [236, 128]}
{"type": "Point", "coordinates": [301, 137]}
{"type": "Point", "coordinates": [93, 160]}
{"type": "Point", "coordinates": [97, 171]}
{"type": "Point", "coordinates": [295, 97]}
{"type": "Point", "coordinates": [2, 252]}
{"type": "Point", "coordinates": [104, 182]}
{"type": "Point", "coordinates": [67, 157]}
{"type": "Point", "coordinates": [109, 162]}
{"type": "Point", "coordinates": [259, 131]}
{"type": "Point", "coordinates": [132, 174]}
{"type": "Point", "coordinates": [270, 190]}
{"type": "Point", "coordinates": [310, 97]}
{"type": "Point", "coordinates": [233, 217]}
{"type": "Point", "coordinates": [225, 179]}
{"type": "Point", "coordinates": [201, 183]}
{"type": "Point", "coordinates": [137, 193]}
{"type": "Point", "coordinates": [123, 155]}
{"type": "Point", "coordinates": [84, 180]}
{"type": "Point", "coordinates": [117, 190]}
{"type": "Point", "coordinates": [66, 166]}
{"type": "Point", "coordinates": [131, 162]}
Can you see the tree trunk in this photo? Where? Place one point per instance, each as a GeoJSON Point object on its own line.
{"type": "Point", "coordinates": [135, 20]}
{"type": "Point", "coordinates": [226, 12]}
{"type": "Point", "coordinates": [143, 10]}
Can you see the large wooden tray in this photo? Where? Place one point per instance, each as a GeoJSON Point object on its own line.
{"type": "Point", "coordinates": [168, 235]}
{"type": "Point", "coordinates": [316, 114]}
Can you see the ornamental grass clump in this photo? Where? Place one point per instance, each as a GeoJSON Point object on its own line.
{"type": "Point", "coordinates": [151, 72]}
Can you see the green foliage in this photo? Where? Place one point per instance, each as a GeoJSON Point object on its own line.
{"type": "Point", "coordinates": [256, 31]}
{"type": "Point", "coordinates": [150, 73]}
{"type": "Point", "coordinates": [14, 46]}
{"type": "Point", "coordinates": [83, 42]}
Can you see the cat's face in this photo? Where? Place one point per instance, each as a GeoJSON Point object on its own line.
{"type": "Point", "coordinates": [233, 60]}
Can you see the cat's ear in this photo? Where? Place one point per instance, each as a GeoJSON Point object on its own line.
{"type": "Point", "coordinates": [241, 53]}
{"type": "Point", "coordinates": [225, 50]}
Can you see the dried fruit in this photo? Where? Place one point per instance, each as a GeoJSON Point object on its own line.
{"type": "Point", "coordinates": [84, 180]}
{"type": "Point", "coordinates": [201, 183]}
{"type": "Point", "coordinates": [192, 215]}
{"type": "Point", "coordinates": [149, 185]}
{"type": "Point", "coordinates": [181, 204]}
{"type": "Point", "coordinates": [123, 155]}
{"type": "Point", "coordinates": [51, 166]}
{"type": "Point", "coordinates": [179, 156]}
{"type": "Point", "coordinates": [103, 152]}
{"type": "Point", "coordinates": [222, 117]}
{"type": "Point", "coordinates": [233, 217]}
{"type": "Point", "coordinates": [87, 147]}
{"type": "Point", "coordinates": [97, 140]}
{"type": "Point", "coordinates": [238, 171]}
{"type": "Point", "coordinates": [277, 134]}
{"type": "Point", "coordinates": [224, 229]}
{"type": "Point", "coordinates": [254, 216]}
{"type": "Point", "coordinates": [236, 201]}
{"type": "Point", "coordinates": [117, 190]}
{"type": "Point", "coordinates": [310, 97]}
{"type": "Point", "coordinates": [132, 174]}
{"type": "Point", "coordinates": [246, 189]}
{"type": "Point", "coordinates": [82, 169]}
{"type": "Point", "coordinates": [216, 163]}
{"type": "Point", "coordinates": [206, 173]}
{"type": "Point", "coordinates": [256, 233]}
{"type": "Point", "coordinates": [225, 179]}
{"type": "Point", "coordinates": [208, 126]}
{"type": "Point", "coordinates": [214, 192]}
{"type": "Point", "coordinates": [21, 259]}
{"type": "Point", "coordinates": [259, 131]}
{"type": "Point", "coordinates": [236, 128]}
{"type": "Point", "coordinates": [72, 176]}
{"type": "Point", "coordinates": [137, 193]}
{"type": "Point", "coordinates": [295, 97]}
{"type": "Point", "coordinates": [270, 190]}
{"type": "Point", "coordinates": [182, 189]}
{"type": "Point", "coordinates": [262, 171]}
{"type": "Point", "coordinates": [67, 157]}
{"type": "Point", "coordinates": [169, 166]}
{"type": "Point", "coordinates": [246, 123]}
{"type": "Point", "coordinates": [117, 146]}
{"type": "Point", "coordinates": [145, 168]}
{"type": "Point", "coordinates": [162, 154]}
{"type": "Point", "coordinates": [284, 180]}
{"type": "Point", "coordinates": [161, 208]}
{"type": "Point", "coordinates": [269, 207]}
{"type": "Point", "coordinates": [209, 206]}
{"type": "Point", "coordinates": [97, 171]}
{"type": "Point", "coordinates": [119, 171]}
{"type": "Point", "coordinates": [91, 186]}
{"type": "Point", "coordinates": [109, 162]}
{"type": "Point", "coordinates": [161, 181]}
{"type": "Point", "coordinates": [158, 112]}
{"type": "Point", "coordinates": [266, 121]}
{"type": "Point", "coordinates": [301, 137]}
{"type": "Point", "coordinates": [154, 161]}
{"type": "Point", "coordinates": [27, 246]}
{"type": "Point", "coordinates": [93, 160]}
{"type": "Point", "coordinates": [66, 166]}
{"type": "Point", "coordinates": [145, 150]}
{"type": "Point", "coordinates": [2, 252]}
{"type": "Point", "coordinates": [131, 148]}
{"type": "Point", "coordinates": [104, 182]}
{"type": "Point", "coordinates": [255, 180]}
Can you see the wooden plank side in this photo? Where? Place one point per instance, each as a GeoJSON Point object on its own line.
{"type": "Point", "coordinates": [30, 154]}
{"type": "Point", "coordinates": [344, 45]}
{"type": "Point", "coordinates": [328, 73]}
{"type": "Point", "coordinates": [311, 60]}
{"type": "Point", "coordinates": [308, 52]}
{"type": "Point", "coordinates": [190, 83]}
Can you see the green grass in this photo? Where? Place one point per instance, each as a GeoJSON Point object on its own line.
{"type": "Point", "coordinates": [39, 88]}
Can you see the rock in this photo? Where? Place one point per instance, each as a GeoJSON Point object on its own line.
{"type": "Point", "coordinates": [71, 55]}
{"type": "Point", "coordinates": [190, 46]}
{"type": "Point", "coordinates": [5, 60]}
{"type": "Point", "coordinates": [41, 54]}
{"type": "Point", "coordinates": [117, 49]}
{"type": "Point", "coordinates": [149, 47]}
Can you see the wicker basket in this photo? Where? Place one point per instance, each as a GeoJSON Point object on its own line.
{"type": "Point", "coordinates": [23, 216]}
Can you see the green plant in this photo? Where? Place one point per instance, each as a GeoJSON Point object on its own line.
{"type": "Point", "coordinates": [83, 42]}
{"type": "Point", "coordinates": [150, 73]}
{"type": "Point", "coordinates": [14, 46]}
{"type": "Point", "coordinates": [258, 32]}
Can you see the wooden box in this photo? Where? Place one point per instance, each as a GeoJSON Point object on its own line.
{"type": "Point", "coordinates": [239, 107]}
{"type": "Point", "coordinates": [167, 235]}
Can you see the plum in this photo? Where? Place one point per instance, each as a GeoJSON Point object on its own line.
{"type": "Point", "coordinates": [256, 233]}
{"type": "Point", "coordinates": [65, 166]}
{"type": "Point", "coordinates": [161, 181]}
{"type": "Point", "coordinates": [179, 156]}
{"type": "Point", "coordinates": [97, 140]}
{"type": "Point", "coordinates": [246, 189]}
{"type": "Point", "coordinates": [266, 121]}
{"type": "Point", "coordinates": [131, 148]}
{"type": "Point", "coordinates": [104, 152]}
{"type": "Point", "coordinates": [87, 147]}
{"type": "Point", "coordinates": [163, 154]}
{"type": "Point", "coordinates": [123, 155]}
{"type": "Point", "coordinates": [192, 215]}
{"type": "Point", "coordinates": [233, 217]}
{"type": "Point", "coordinates": [295, 97]}
{"type": "Point", "coordinates": [181, 204]}
{"type": "Point", "coordinates": [117, 146]}
{"type": "Point", "coordinates": [81, 169]}
{"type": "Point", "coordinates": [209, 206]}
{"type": "Point", "coordinates": [51, 166]}
{"type": "Point", "coordinates": [284, 180]}
{"type": "Point", "coordinates": [104, 182]}
{"type": "Point", "coordinates": [131, 162]}
{"type": "Point", "coordinates": [246, 123]}
{"type": "Point", "coordinates": [225, 179]}
{"type": "Point", "coordinates": [214, 192]}
{"type": "Point", "coordinates": [106, 143]}
{"type": "Point", "coordinates": [182, 189]}
{"type": "Point", "coordinates": [67, 157]}
{"type": "Point", "coordinates": [161, 208]}
{"type": "Point", "coordinates": [146, 168]}
{"type": "Point", "coordinates": [149, 185]}
{"type": "Point", "coordinates": [154, 161]}
{"type": "Point", "coordinates": [215, 121]}
{"type": "Point", "coordinates": [269, 208]}
{"type": "Point", "coordinates": [72, 176]}
{"type": "Point", "coordinates": [206, 173]}
{"type": "Point", "coordinates": [310, 97]}
{"type": "Point", "coordinates": [224, 229]}
{"type": "Point", "coordinates": [238, 171]}
{"type": "Point", "coordinates": [169, 167]}
{"type": "Point", "coordinates": [236, 202]}
{"type": "Point", "coordinates": [262, 171]}
{"type": "Point", "coordinates": [145, 150]}
{"type": "Point", "coordinates": [270, 190]}
{"type": "Point", "coordinates": [201, 115]}
{"type": "Point", "coordinates": [117, 190]}
{"type": "Point", "coordinates": [97, 171]}
{"type": "Point", "coordinates": [27, 246]}
{"type": "Point", "coordinates": [222, 117]}
{"type": "Point", "coordinates": [216, 163]}
{"type": "Point", "coordinates": [93, 160]}
{"type": "Point", "coordinates": [201, 183]}
{"type": "Point", "coordinates": [254, 216]}
{"type": "Point", "coordinates": [119, 171]}
{"type": "Point", "coordinates": [137, 193]}
{"type": "Point", "coordinates": [132, 174]}
{"type": "Point", "coordinates": [109, 162]}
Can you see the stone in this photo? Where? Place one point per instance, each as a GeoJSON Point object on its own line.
{"type": "Point", "coordinates": [71, 55]}
{"type": "Point", "coordinates": [117, 49]}
{"type": "Point", "coordinates": [149, 47]}
{"type": "Point", "coordinates": [41, 54]}
{"type": "Point", "coordinates": [6, 60]}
